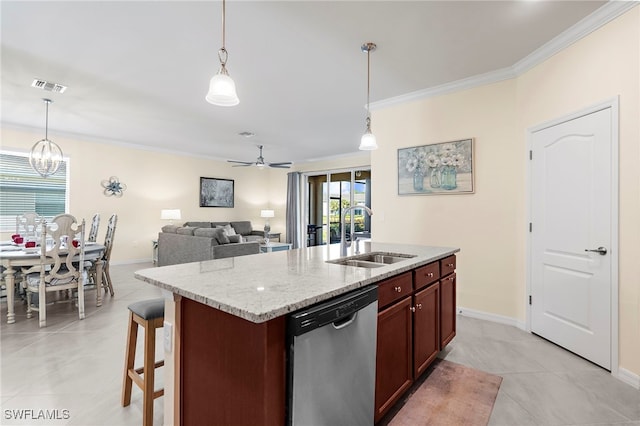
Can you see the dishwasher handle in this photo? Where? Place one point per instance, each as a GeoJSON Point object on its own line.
{"type": "Point", "coordinates": [345, 322]}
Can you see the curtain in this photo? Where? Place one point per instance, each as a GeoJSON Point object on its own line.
{"type": "Point", "coordinates": [293, 229]}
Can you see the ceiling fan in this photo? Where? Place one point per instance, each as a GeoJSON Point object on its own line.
{"type": "Point", "coordinates": [260, 162]}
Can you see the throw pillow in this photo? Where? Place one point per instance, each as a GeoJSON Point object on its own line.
{"type": "Point", "coordinates": [235, 238]}
{"type": "Point", "coordinates": [221, 237]}
{"type": "Point", "coordinates": [228, 230]}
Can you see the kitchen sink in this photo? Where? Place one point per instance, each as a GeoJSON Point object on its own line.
{"type": "Point", "coordinates": [372, 260]}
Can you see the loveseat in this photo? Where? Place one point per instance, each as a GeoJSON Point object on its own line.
{"type": "Point", "coordinates": [198, 241]}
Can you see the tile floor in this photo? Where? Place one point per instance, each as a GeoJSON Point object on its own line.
{"type": "Point", "coordinates": [75, 367]}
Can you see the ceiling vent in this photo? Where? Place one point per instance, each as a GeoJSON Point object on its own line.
{"type": "Point", "coordinates": [48, 86]}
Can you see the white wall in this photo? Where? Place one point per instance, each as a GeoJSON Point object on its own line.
{"type": "Point", "coordinates": [155, 181]}
{"type": "Point", "coordinates": [490, 226]}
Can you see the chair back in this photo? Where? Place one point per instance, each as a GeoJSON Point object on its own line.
{"type": "Point", "coordinates": [108, 237]}
{"type": "Point", "coordinates": [28, 224]}
{"type": "Point", "coordinates": [61, 232]}
{"type": "Point", "coordinates": [95, 224]}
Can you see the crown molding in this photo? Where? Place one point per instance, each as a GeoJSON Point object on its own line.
{"type": "Point", "coordinates": [603, 15]}
{"type": "Point", "coordinates": [443, 89]}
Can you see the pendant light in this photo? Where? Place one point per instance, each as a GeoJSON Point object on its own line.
{"type": "Point", "coordinates": [222, 89]}
{"type": "Point", "coordinates": [45, 156]}
{"type": "Point", "coordinates": [368, 140]}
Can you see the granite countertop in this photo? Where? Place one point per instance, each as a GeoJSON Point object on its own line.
{"type": "Point", "coordinates": [261, 287]}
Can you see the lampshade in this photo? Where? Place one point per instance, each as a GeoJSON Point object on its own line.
{"type": "Point", "coordinates": [368, 141]}
{"type": "Point", "coordinates": [266, 213]}
{"type": "Point", "coordinates": [170, 214]}
{"type": "Point", "coordinates": [222, 90]}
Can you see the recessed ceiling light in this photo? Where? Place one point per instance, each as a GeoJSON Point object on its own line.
{"type": "Point", "coordinates": [247, 134]}
{"type": "Point", "coordinates": [48, 86]}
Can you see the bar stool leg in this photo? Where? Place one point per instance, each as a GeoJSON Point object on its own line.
{"type": "Point", "coordinates": [130, 357]}
{"type": "Point", "coordinates": [148, 372]}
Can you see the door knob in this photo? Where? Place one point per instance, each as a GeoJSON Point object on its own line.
{"type": "Point", "coordinates": [600, 250]}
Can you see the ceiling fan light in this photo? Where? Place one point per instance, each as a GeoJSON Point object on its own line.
{"type": "Point", "coordinates": [222, 90]}
{"type": "Point", "coordinates": [368, 141]}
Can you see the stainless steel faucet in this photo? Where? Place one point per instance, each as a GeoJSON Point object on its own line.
{"type": "Point", "coordinates": [343, 230]}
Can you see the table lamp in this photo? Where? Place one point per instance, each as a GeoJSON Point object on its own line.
{"type": "Point", "coordinates": [267, 228]}
{"type": "Point", "coordinates": [170, 215]}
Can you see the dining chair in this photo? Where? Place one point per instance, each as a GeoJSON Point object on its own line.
{"type": "Point", "coordinates": [28, 224]}
{"type": "Point", "coordinates": [106, 256]}
{"type": "Point", "coordinates": [93, 232]}
{"type": "Point", "coordinates": [59, 265]}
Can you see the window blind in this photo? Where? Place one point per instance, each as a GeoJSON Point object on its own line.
{"type": "Point", "coordinates": [22, 190]}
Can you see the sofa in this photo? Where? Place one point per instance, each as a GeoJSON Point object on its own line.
{"type": "Point", "coordinates": [198, 241]}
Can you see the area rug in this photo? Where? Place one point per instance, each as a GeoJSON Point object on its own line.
{"type": "Point", "coordinates": [451, 394]}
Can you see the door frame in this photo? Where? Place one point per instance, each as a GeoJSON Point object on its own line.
{"type": "Point", "coordinates": [611, 104]}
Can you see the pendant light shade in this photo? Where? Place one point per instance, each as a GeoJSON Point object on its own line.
{"type": "Point", "coordinates": [368, 140]}
{"type": "Point", "coordinates": [45, 156]}
{"type": "Point", "coordinates": [222, 89]}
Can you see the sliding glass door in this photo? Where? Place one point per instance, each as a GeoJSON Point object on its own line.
{"type": "Point", "coordinates": [329, 195]}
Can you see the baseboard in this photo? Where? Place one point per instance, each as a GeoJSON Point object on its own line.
{"type": "Point", "coordinates": [628, 377]}
{"type": "Point", "coordinates": [472, 313]}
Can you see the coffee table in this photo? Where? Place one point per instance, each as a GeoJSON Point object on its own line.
{"type": "Point", "coordinates": [268, 248]}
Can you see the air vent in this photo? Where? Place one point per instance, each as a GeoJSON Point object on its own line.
{"type": "Point", "coordinates": [247, 134]}
{"type": "Point", "coordinates": [48, 86]}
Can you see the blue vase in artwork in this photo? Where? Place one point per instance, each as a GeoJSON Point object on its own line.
{"type": "Point", "coordinates": [449, 178]}
{"type": "Point", "coordinates": [418, 179]}
{"type": "Point", "coordinates": [434, 178]}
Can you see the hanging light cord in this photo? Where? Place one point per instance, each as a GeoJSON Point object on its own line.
{"type": "Point", "coordinates": [222, 53]}
{"type": "Point", "coordinates": [368, 85]}
{"type": "Point", "coordinates": [46, 120]}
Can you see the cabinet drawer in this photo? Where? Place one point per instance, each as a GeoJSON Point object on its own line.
{"type": "Point", "coordinates": [427, 274]}
{"type": "Point", "coordinates": [394, 288]}
{"type": "Point", "coordinates": [447, 265]}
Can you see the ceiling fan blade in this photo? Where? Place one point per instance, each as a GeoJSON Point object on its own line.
{"type": "Point", "coordinates": [280, 165]}
{"type": "Point", "coordinates": [284, 163]}
{"type": "Point", "coordinates": [242, 165]}
{"type": "Point", "coordinates": [246, 163]}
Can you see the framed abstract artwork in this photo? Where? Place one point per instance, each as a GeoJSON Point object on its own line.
{"type": "Point", "coordinates": [436, 169]}
{"type": "Point", "coordinates": [216, 192]}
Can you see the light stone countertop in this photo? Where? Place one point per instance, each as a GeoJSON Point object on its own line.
{"type": "Point", "coordinates": [264, 286]}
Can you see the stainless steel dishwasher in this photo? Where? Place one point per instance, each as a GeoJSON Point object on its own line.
{"type": "Point", "coordinates": [332, 361]}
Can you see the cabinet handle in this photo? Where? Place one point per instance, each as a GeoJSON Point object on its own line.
{"type": "Point", "coordinates": [450, 265]}
{"type": "Point", "coordinates": [398, 289]}
{"type": "Point", "coordinates": [413, 309]}
{"type": "Point", "coordinates": [450, 278]}
{"type": "Point", "coordinates": [430, 274]}
{"type": "Point", "coordinates": [419, 305]}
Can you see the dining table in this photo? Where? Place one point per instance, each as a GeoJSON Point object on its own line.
{"type": "Point", "coordinates": [16, 258]}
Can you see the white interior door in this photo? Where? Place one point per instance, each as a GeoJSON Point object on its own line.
{"type": "Point", "coordinates": [571, 215]}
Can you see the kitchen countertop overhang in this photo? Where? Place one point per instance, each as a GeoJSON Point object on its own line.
{"type": "Point", "coordinates": [261, 287]}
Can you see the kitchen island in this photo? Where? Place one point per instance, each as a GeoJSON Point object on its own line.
{"type": "Point", "coordinates": [225, 358]}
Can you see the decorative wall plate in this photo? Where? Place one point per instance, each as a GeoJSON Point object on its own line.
{"type": "Point", "coordinates": [113, 187]}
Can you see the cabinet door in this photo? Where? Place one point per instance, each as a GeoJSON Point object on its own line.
{"type": "Point", "coordinates": [426, 328]}
{"type": "Point", "coordinates": [447, 309]}
{"type": "Point", "coordinates": [393, 360]}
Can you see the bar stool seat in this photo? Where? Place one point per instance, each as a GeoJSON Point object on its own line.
{"type": "Point", "coordinates": [150, 315]}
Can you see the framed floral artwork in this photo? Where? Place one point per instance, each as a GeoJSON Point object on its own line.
{"type": "Point", "coordinates": [441, 168]}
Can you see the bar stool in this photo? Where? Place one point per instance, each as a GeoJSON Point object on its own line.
{"type": "Point", "coordinates": [150, 315]}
